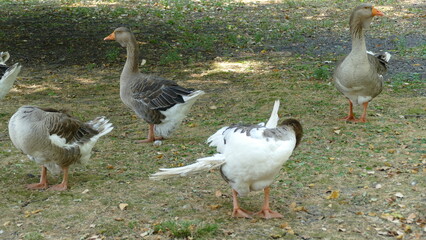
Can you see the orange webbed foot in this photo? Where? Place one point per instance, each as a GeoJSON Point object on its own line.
{"type": "Point", "coordinates": [239, 212]}
{"type": "Point", "coordinates": [361, 120]}
{"type": "Point", "coordinates": [59, 187]}
{"type": "Point", "coordinates": [268, 213]}
{"type": "Point", "coordinates": [149, 140]}
{"type": "Point", "coordinates": [36, 186]}
{"type": "Point", "coordinates": [350, 118]}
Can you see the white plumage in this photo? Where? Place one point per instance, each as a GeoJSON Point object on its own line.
{"type": "Point", "coordinates": [55, 139]}
{"type": "Point", "coordinates": [7, 74]}
{"type": "Point", "coordinates": [249, 156]}
{"type": "Point", "coordinates": [175, 115]}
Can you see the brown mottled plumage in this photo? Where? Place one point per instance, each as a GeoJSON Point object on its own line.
{"type": "Point", "coordinates": [54, 139]}
{"type": "Point", "coordinates": [359, 75]}
{"type": "Point", "coordinates": [160, 102]}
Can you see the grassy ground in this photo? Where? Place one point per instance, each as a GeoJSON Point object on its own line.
{"type": "Point", "coordinates": [346, 181]}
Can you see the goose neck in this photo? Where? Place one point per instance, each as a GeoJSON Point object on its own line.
{"type": "Point", "coordinates": [131, 65]}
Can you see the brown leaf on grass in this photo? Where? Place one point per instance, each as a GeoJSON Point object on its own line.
{"type": "Point", "coordinates": [123, 206]}
{"type": "Point", "coordinates": [119, 219]}
{"type": "Point", "coordinates": [275, 236]}
{"type": "Point", "coordinates": [293, 206]}
{"type": "Point", "coordinates": [29, 213]}
{"type": "Point", "coordinates": [333, 195]}
{"type": "Point", "coordinates": [110, 167]}
{"type": "Point", "coordinates": [215, 206]}
{"type": "Point", "coordinates": [218, 193]}
{"type": "Point", "coordinates": [284, 225]}
{"type": "Point", "coordinates": [399, 195]}
{"type": "Point", "coordinates": [411, 217]}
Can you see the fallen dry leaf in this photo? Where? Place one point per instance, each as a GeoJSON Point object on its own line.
{"type": "Point", "coordinates": [118, 219]}
{"type": "Point", "coordinates": [218, 193]}
{"type": "Point", "coordinates": [123, 206]}
{"type": "Point", "coordinates": [292, 205]}
{"type": "Point", "coordinates": [399, 195]}
{"type": "Point", "coordinates": [333, 195]}
{"type": "Point", "coordinates": [284, 225]}
{"type": "Point", "coordinates": [215, 206]}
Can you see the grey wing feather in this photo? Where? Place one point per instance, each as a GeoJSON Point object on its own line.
{"type": "Point", "coordinates": [379, 61]}
{"type": "Point", "coordinates": [159, 93]}
{"type": "Point", "coordinates": [69, 128]}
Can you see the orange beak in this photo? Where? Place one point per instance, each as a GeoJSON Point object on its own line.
{"type": "Point", "coordinates": [110, 37]}
{"type": "Point", "coordinates": [376, 12]}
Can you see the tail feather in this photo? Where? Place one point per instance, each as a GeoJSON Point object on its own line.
{"type": "Point", "coordinates": [273, 120]}
{"type": "Point", "coordinates": [102, 125]}
{"type": "Point", "coordinates": [201, 165]}
{"type": "Point", "coordinates": [176, 114]}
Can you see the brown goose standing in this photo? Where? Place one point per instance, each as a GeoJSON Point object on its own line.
{"type": "Point", "coordinates": [359, 75]}
{"type": "Point", "coordinates": [162, 103]}
{"type": "Point", "coordinates": [54, 140]}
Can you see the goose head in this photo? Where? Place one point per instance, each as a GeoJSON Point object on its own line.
{"type": "Point", "coordinates": [297, 128]}
{"type": "Point", "coordinates": [4, 56]}
{"type": "Point", "coordinates": [122, 35]}
{"type": "Point", "coordinates": [361, 18]}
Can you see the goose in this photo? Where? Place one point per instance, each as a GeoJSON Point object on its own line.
{"type": "Point", "coordinates": [162, 103]}
{"type": "Point", "coordinates": [55, 140]}
{"type": "Point", "coordinates": [7, 74]}
{"type": "Point", "coordinates": [359, 76]}
{"type": "Point", "coordinates": [249, 158]}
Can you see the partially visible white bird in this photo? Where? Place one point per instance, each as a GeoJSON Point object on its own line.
{"type": "Point", "coordinates": [7, 74]}
{"type": "Point", "coordinates": [55, 140]}
{"type": "Point", "coordinates": [250, 156]}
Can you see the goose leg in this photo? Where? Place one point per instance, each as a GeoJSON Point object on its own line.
{"type": "Point", "coordinates": [364, 113]}
{"type": "Point", "coordinates": [151, 136]}
{"type": "Point", "coordinates": [266, 212]}
{"type": "Point", "coordinates": [43, 180]}
{"type": "Point", "coordinates": [351, 116]}
{"type": "Point", "coordinates": [237, 211]}
{"type": "Point", "coordinates": [64, 184]}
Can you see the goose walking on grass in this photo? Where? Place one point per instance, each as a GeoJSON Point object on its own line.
{"type": "Point", "coordinates": [7, 74]}
{"type": "Point", "coordinates": [249, 157]}
{"type": "Point", "coordinates": [162, 103]}
{"type": "Point", "coordinates": [55, 140]}
{"type": "Point", "coordinates": [359, 76]}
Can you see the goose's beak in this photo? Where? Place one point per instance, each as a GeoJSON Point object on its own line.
{"type": "Point", "coordinates": [110, 37]}
{"type": "Point", "coordinates": [376, 12]}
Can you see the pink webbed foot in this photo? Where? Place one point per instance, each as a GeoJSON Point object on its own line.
{"type": "Point", "coordinates": [59, 187]}
{"type": "Point", "coordinates": [37, 186]}
{"type": "Point", "coordinates": [241, 213]}
{"type": "Point", "coordinates": [268, 213]}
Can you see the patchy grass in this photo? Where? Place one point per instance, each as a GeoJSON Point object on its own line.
{"type": "Point", "coordinates": [346, 181]}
